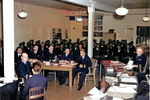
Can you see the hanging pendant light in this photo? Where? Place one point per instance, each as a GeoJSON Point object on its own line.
{"type": "Point", "coordinates": [146, 18]}
{"type": "Point", "coordinates": [22, 14]}
{"type": "Point", "coordinates": [121, 11]}
{"type": "Point", "coordinates": [79, 19]}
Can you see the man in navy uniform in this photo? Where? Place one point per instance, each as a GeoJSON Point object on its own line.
{"type": "Point", "coordinates": [49, 56]}
{"type": "Point", "coordinates": [140, 59]}
{"type": "Point", "coordinates": [36, 80]}
{"type": "Point", "coordinates": [23, 67]}
{"type": "Point", "coordinates": [83, 63]}
{"type": "Point", "coordinates": [67, 57]}
{"type": "Point", "coordinates": [35, 54]}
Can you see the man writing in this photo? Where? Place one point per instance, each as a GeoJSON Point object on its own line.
{"type": "Point", "coordinates": [66, 57]}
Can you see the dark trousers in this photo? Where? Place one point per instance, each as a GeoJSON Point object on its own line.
{"type": "Point", "coordinates": [62, 75]}
{"type": "Point", "coordinates": [83, 71]}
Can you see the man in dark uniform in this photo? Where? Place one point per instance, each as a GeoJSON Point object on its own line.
{"type": "Point", "coordinates": [35, 54]}
{"type": "Point", "coordinates": [66, 57]}
{"type": "Point", "coordinates": [140, 59]}
{"type": "Point", "coordinates": [36, 80]}
{"type": "Point", "coordinates": [49, 56]}
{"type": "Point", "coordinates": [18, 55]}
{"type": "Point", "coordinates": [23, 67]}
{"type": "Point", "coordinates": [83, 63]}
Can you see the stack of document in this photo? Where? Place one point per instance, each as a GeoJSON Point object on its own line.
{"type": "Point", "coordinates": [129, 79]}
{"type": "Point", "coordinates": [121, 92]}
{"type": "Point", "coordinates": [95, 94]}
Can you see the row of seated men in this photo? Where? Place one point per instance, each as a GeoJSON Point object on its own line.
{"type": "Point", "coordinates": [23, 67]}
{"type": "Point", "coordinates": [114, 49]}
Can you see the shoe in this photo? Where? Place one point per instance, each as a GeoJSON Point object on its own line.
{"type": "Point", "coordinates": [79, 88]}
{"type": "Point", "coordinates": [60, 83]}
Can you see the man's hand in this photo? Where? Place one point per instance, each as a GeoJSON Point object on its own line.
{"type": "Point", "coordinates": [134, 66]}
{"type": "Point", "coordinates": [80, 65]}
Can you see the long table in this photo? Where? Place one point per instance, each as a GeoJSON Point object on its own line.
{"type": "Point", "coordinates": [68, 67]}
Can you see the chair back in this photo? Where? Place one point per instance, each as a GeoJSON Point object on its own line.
{"type": "Point", "coordinates": [148, 78]}
{"type": "Point", "coordinates": [94, 64]}
{"type": "Point", "coordinates": [37, 92]}
{"type": "Point", "coordinates": [146, 65]}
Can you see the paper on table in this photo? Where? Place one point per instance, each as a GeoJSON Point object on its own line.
{"type": "Point", "coordinates": [121, 89]}
{"type": "Point", "coordinates": [1, 85]}
{"type": "Point", "coordinates": [96, 95]}
{"type": "Point", "coordinates": [114, 98]}
{"type": "Point", "coordinates": [130, 79]}
{"type": "Point", "coordinates": [94, 91]}
{"type": "Point", "coordinates": [128, 85]}
{"type": "Point", "coordinates": [47, 63]}
{"type": "Point", "coordinates": [111, 79]}
{"type": "Point", "coordinates": [114, 61]}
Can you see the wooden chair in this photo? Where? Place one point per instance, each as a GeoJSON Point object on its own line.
{"type": "Point", "coordinates": [146, 65]}
{"type": "Point", "coordinates": [91, 72]}
{"type": "Point", "coordinates": [148, 78]}
{"type": "Point", "coordinates": [37, 93]}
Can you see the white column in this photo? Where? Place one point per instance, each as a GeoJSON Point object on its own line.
{"type": "Point", "coordinates": [8, 37]}
{"type": "Point", "coordinates": [90, 29]}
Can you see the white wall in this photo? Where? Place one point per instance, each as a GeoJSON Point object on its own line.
{"type": "Point", "coordinates": [39, 23]}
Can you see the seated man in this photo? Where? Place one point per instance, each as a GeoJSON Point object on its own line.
{"type": "Point", "coordinates": [18, 55]}
{"type": "Point", "coordinates": [35, 54]}
{"type": "Point", "coordinates": [83, 63]}
{"type": "Point", "coordinates": [49, 56]}
{"type": "Point", "coordinates": [141, 76]}
{"type": "Point", "coordinates": [36, 80]}
{"type": "Point", "coordinates": [66, 57]}
{"type": "Point", "coordinates": [23, 67]}
{"type": "Point", "coordinates": [140, 59]}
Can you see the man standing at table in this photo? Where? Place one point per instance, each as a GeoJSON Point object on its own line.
{"type": "Point", "coordinates": [23, 67]}
{"type": "Point", "coordinates": [83, 63]}
{"type": "Point", "coordinates": [66, 57]}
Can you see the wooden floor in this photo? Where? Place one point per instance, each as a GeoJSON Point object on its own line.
{"type": "Point", "coordinates": [56, 92]}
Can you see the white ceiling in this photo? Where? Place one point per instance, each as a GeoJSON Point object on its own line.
{"type": "Point", "coordinates": [71, 6]}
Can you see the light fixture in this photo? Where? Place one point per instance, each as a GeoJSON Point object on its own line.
{"type": "Point", "coordinates": [146, 18]}
{"type": "Point", "coordinates": [121, 10]}
{"type": "Point", "coordinates": [79, 19]}
{"type": "Point", "coordinates": [22, 14]}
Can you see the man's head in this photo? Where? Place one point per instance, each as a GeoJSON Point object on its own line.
{"type": "Point", "coordinates": [24, 57]}
{"type": "Point", "coordinates": [82, 52]}
{"type": "Point", "coordinates": [19, 50]}
{"type": "Point", "coordinates": [36, 68]}
{"type": "Point", "coordinates": [139, 51]}
{"type": "Point", "coordinates": [42, 44]}
{"type": "Point", "coordinates": [36, 48]}
{"type": "Point", "coordinates": [50, 48]}
{"type": "Point", "coordinates": [80, 45]}
{"type": "Point", "coordinates": [67, 51]}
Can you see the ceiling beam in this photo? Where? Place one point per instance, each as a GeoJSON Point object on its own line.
{"type": "Point", "coordinates": [88, 3]}
{"type": "Point", "coordinates": [103, 7]}
{"type": "Point", "coordinates": [79, 2]}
